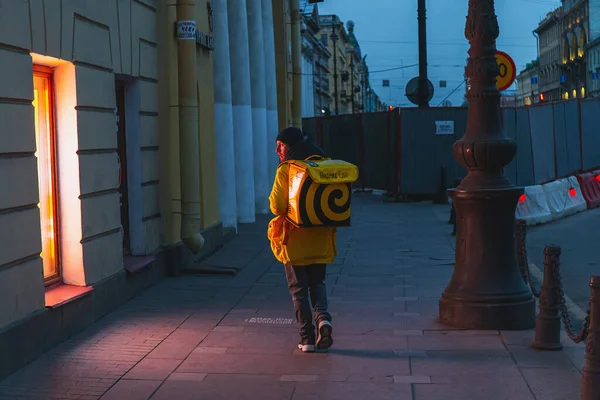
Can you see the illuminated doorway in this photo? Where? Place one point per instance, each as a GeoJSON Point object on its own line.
{"type": "Point", "coordinates": [46, 160]}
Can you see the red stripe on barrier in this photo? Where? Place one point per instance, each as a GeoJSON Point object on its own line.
{"type": "Point", "coordinates": [590, 188]}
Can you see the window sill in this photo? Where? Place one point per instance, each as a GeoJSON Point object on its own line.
{"type": "Point", "coordinates": [135, 264]}
{"type": "Point", "coordinates": [61, 294]}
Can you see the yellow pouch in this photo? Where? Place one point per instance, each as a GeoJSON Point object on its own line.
{"type": "Point", "coordinates": [278, 236]}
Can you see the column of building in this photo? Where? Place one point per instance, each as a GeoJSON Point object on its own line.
{"type": "Point", "coordinates": [259, 106]}
{"type": "Point", "coordinates": [224, 136]}
{"type": "Point", "coordinates": [242, 110]}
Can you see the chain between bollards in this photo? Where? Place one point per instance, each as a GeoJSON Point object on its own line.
{"type": "Point", "coordinates": [523, 261]}
{"type": "Point", "coordinates": [590, 375]}
{"type": "Point", "coordinates": [551, 290]}
{"type": "Point", "coordinates": [555, 260]}
{"type": "Point", "coordinates": [553, 308]}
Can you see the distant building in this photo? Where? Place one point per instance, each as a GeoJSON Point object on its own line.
{"type": "Point", "coordinates": [371, 101]}
{"type": "Point", "coordinates": [593, 67]}
{"type": "Point", "coordinates": [345, 64]}
{"type": "Point", "coordinates": [508, 98]}
{"type": "Point", "coordinates": [355, 66]}
{"type": "Point", "coordinates": [574, 28]}
{"type": "Point", "coordinates": [593, 49]}
{"type": "Point", "coordinates": [527, 91]}
{"type": "Point", "coordinates": [338, 63]}
{"type": "Point", "coordinates": [316, 95]}
{"type": "Point", "coordinates": [549, 35]}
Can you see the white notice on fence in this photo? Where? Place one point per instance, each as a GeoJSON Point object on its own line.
{"type": "Point", "coordinates": [444, 127]}
{"type": "Point", "coordinates": [186, 30]}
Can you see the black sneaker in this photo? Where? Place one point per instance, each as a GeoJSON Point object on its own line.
{"type": "Point", "coordinates": [324, 339]}
{"type": "Point", "coordinates": [307, 345]}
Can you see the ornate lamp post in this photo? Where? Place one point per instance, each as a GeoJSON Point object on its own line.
{"type": "Point", "coordinates": [334, 37]}
{"type": "Point", "coordinates": [486, 290]}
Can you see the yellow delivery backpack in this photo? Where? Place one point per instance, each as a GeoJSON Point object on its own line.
{"type": "Point", "coordinates": [320, 192]}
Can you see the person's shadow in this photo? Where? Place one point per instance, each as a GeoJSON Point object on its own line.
{"type": "Point", "coordinates": [380, 354]}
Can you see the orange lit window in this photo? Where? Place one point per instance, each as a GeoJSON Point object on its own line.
{"type": "Point", "coordinates": [45, 153]}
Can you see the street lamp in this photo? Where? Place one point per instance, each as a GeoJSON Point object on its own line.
{"type": "Point", "coordinates": [334, 37]}
{"type": "Point", "coordinates": [423, 92]}
{"type": "Point", "coordinates": [486, 290]}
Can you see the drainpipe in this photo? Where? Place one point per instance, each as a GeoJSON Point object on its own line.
{"type": "Point", "coordinates": [188, 127]}
{"type": "Point", "coordinates": [537, 40]}
{"type": "Point", "coordinates": [296, 65]}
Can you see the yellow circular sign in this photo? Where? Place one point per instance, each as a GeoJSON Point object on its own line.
{"type": "Point", "coordinates": [508, 71]}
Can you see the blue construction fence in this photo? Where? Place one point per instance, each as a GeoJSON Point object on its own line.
{"type": "Point", "coordinates": [404, 150]}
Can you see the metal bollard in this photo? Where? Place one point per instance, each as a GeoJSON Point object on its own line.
{"type": "Point", "coordinates": [590, 375]}
{"type": "Point", "coordinates": [548, 323]}
{"type": "Point", "coordinates": [441, 197]}
{"type": "Point", "coordinates": [452, 219]}
{"type": "Point", "coordinates": [520, 242]}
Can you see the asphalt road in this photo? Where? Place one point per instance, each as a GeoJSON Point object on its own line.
{"type": "Point", "coordinates": [579, 239]}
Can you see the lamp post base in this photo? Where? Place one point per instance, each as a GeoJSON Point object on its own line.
{"type": "Point", "coordinates": [512, 315]}
{"type": "Point", "coordinates": [486, 290]}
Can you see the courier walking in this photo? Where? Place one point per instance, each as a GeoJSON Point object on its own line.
{"type": "Point", "coordinates": [310, 199]}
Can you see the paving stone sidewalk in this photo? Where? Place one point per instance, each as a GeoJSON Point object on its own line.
{"type": "Point", "coordinates": [206, 337]}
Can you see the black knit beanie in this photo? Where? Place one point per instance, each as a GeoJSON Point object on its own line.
{"type": "Point", "coordinates": [290, 136]}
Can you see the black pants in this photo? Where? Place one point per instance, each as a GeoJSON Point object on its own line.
{"type": "Point", "coordinates": [308, 282]}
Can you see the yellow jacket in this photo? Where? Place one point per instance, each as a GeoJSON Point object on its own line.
{"type": "Point", "coordinates": [290, 244]}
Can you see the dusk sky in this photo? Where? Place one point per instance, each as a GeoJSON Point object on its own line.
{"type": "Point", "coordinates": [387, 32]}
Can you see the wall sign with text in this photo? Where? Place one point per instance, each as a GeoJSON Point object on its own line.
{"type": "Point", "coordinates": [186, 30]}
{"type": "Point", "coordinates": [444, 127]}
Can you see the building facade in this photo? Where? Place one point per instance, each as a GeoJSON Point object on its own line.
{"type": "Point", "coordinates": [527, 90]}
{"type": "Point", "coordinates": [574, 30]}
{"type": "Point", "coordinates": [549, 34]}
{"type": "Point", "coordinates": [321, 78]}
{"type": "Point", "coordinates": [593, 49]}
{"type": "Point", "coordinates": [317, 71]}
{"type": "Point", "coordinates": [593, 67]}
{"type": "Point", "coordinates": [354, 85]}
{"type": "Point", "coordinates": [109, 111]}
{"type": "Point", "coordinates": [80, 85]}
{"type": "Point", "coordinates": [508, 98]}
{"type": "Point", "coordinates": [339, 63]}
{"type": "Point", "coordinates": [308, 85]}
